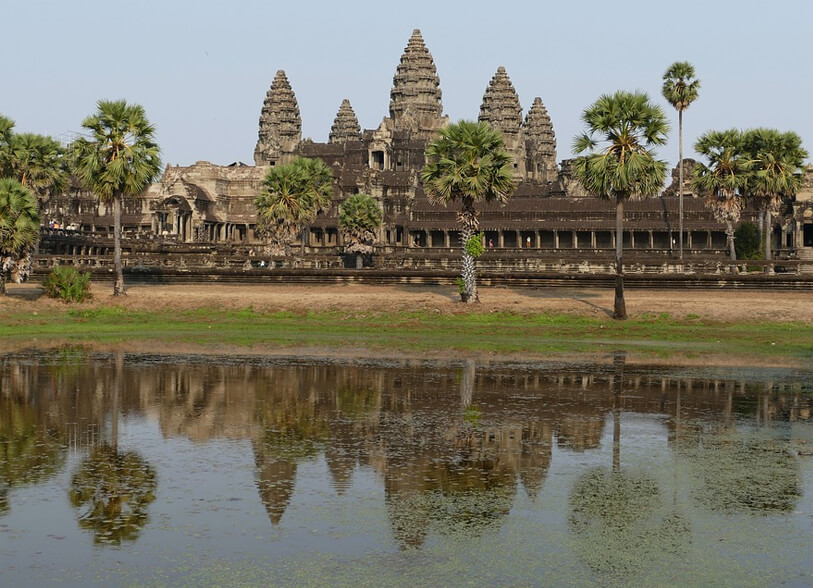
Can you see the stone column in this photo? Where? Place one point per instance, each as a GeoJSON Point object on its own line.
{"type": "Point", "coordinates": [556, 239]}
{"type": "Point", "coordinates": [500, 239]}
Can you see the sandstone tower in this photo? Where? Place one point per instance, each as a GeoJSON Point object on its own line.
{"type": "Point", "coordinates": [540, 144]}
{"type": "Point", "coordinates": [501, 108]}
{"type": "Point", "coordinates": [415, 99]}
{"type": "Point", "coordinates": [345, 126]}
{"type": "Point", "coordinates": [280, 125]}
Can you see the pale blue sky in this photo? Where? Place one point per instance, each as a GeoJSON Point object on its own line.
{"type": "Point", "coordinates": [201, 69]}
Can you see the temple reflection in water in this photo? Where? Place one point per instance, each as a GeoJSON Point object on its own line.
{"type": "Point", "coordinates": [451, 445]}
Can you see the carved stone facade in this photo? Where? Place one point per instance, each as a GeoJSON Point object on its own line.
{"type": "Point", "coordinates": [549, 212]}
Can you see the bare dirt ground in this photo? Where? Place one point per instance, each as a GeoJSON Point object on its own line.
{"type": "Point", "coordinates": [722, 305]}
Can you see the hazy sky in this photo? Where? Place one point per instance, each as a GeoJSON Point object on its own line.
{"type": "Point", "coordinates": [201, 69]}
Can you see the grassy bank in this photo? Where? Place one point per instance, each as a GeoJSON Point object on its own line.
{"type": "Point", "coordinates": [416, 332]}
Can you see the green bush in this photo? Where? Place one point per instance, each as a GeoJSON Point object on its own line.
{"type": "Point", "coordinates": [747, 242]}
{"type": "Point", "coordinates": [474, 246]}
{"type": "Point", "coordinates": [67, 284]}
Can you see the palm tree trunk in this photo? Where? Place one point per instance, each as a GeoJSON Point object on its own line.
{"type": "Point", "coordinates": [680, 180]}
{"type": "Point", "coordinates": [619, 306]}
{"type": "Point", "coordinates": [2, 279]}
{"type": "Point", "coordinates": [118, 285]}
{"type": "Point", "coordinates": [469, 269]}
{"type": "Point", "coordinates": [468, 221]}
{"type": "Point", "coordinates": [768, 234]}
{"type": "Point", "coordinates": [732, 251]}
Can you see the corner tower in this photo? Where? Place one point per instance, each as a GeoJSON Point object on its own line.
{"type": "Point", "coordinates": [345, 126]}
{"type": "Point", "coordinates": [540, 144]}
{"type": "Point", "coordinates": [502, 110]}
{"type": "Point", "coordinates": [280, 125]}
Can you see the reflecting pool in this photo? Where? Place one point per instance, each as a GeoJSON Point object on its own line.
{"type": "Point", "coordinates": [197, 470]}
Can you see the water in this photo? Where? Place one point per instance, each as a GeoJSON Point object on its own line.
{"type": "Point", "coordinates": [192, 470]}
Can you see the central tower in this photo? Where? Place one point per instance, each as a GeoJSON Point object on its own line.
{"type": "Point", "coordinates": [415, 99]}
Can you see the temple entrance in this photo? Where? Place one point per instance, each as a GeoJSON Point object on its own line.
{"type": "Point", "coordinates": [807, 235]}
{"type": "Point", "coordinates": [173, 217]}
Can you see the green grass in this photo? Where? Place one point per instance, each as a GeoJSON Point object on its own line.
{"type": "Point", "coordinates": [500, 333]}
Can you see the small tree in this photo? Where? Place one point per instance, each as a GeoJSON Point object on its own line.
{"type": "Point", "coordinates": [747, 241]}
{"type": "Point", "coordinates": [468, 163]}
{"type": "Point", "coordinates": [619, 164]}
{"type": "Point", "coordinates": [119, 160]}
{"type": "Point", "coordinates": [291, 197]}
{"type": "Point", "coordinates": [359, 222]}
{"type": "Point", "coordinates": [19, 230]}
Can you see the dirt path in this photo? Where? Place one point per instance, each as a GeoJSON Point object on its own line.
{"type": "Point", "coordinates": [723, 305]}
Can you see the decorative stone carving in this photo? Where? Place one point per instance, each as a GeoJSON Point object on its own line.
{"type": "Point", "coordinates": [540, 143]}
{"type": "Point", "coordinates": [415, 99]}
{"type": "Point", "coordinates": [345, 126]}
{"type": "Point", "coordinates": [280, 124]}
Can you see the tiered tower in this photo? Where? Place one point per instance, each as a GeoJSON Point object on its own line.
{"type": "Point", "coordinates": [280, 125]}
{"type": "Point", "coordinates": [502, 110]}
{"type": "Point", "coordinates": [540, 144]}
{"type": "Point", "coordinates": [345, 126]}
{"type": "Point", "coordinates": [415, 99]}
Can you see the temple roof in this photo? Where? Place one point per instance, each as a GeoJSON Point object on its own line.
{"type": "Point", "coordinates": [415, 87]}
{"type": "Point", "coordinates": [501, 105]}
{"type": "Point", "coordinates": [345, 126]}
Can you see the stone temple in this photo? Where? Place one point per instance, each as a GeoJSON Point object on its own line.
{"type": "Point", "coordinates": [212, 205]}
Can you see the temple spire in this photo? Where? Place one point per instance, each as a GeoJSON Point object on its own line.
{"type": "Point", "coordinates": [345, 126]}
{"type": "Point", "coordinates": [415, 99]}
{"type": "Point", "coordinates": [501, 105]}
{"type": "Point", "coordinates": [280, 125]}
{"type": "Point", "coordinates": [541, 141]}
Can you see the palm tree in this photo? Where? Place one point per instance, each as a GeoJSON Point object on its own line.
{"type": "Point", "coordinates": [680, 89]}
{"type": "Point", "coordinates": [6, 133]}
{"type": "Point", "coordinates": [722, 182]}
{"type": "Point", "coordinates": [359, 221]}
{"type": "Point", "coordinates": [118, 160]}
{"type": "Point", "coordinates": [619, 164]}
{"type": "Point", "coordinates": [19, 228]}
{"type": "Point", "coordinates": [291, 197]}
{"type": "Point", "coordinates": [468, 163]}
{"type": "Point", "coordinates": [39, 163]}
{"type": "Point", "coordinates": [776, 174]}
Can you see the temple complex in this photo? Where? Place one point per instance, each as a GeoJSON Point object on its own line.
{"type": "Point", "coordinates": [549, 213]}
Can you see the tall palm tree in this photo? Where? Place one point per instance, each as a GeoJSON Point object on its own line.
{"type": "Point", "coordinates": [19, 228]}
{"type": "Point", "coordinates": [39, 163]}
{"type": "Point", "coordinates": [291, 197]}
{"type": "Point", "coordinates": [359, 221]}
{"type": "Point", "coordinates": [619, 161]}
{"type": "Point", "coordinates": [723, 180]}
{"type": "Point", "coordinates": [680, 89]}
{"type": "Point", "coordinates": [778, 160]}
{"type": "Point", "coordinates": [468, 163]}
{"type": "Point", "coordinates": [118, 160]}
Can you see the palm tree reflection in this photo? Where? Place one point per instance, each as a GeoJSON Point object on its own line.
{"type": "Point", "coordinates": [113, 489]}
{"type": "Point", "coordinates": [617, 517]}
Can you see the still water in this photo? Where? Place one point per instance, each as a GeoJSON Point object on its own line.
{"type": "Point", "coordinates": [191, 470]}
